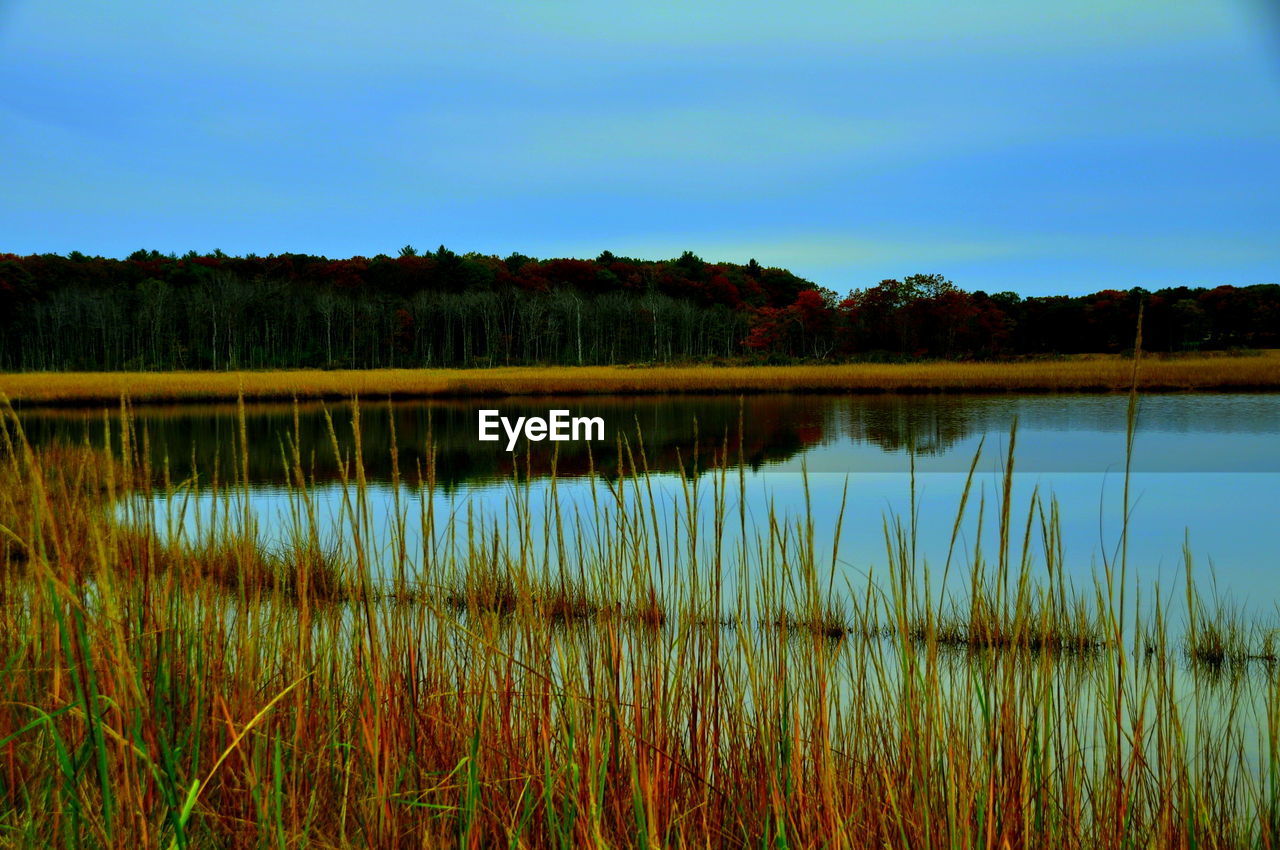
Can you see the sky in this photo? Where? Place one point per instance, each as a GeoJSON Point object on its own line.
{"type": "Point", "coordinates": [1034, 147]}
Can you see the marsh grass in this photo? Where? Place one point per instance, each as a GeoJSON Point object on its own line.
{"type": "Point", "coordinates": [1088, 373]}
{"type": "Point", "coordinates": [632, 672]}
{"type": "Point", "coordinates": [290, 571]}
{"type": "Point", "coordinates": [831, 620]}
{"type": "Point", "coordinates": [1221, 636]}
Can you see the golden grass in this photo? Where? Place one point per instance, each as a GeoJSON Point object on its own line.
{"type": "Point", "coordinates": [489, 696]}
{"type": "Point", "coordinates": [1095, 373]}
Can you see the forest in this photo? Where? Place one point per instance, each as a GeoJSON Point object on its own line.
{"type": "Point", "coordinates": [153, 311]}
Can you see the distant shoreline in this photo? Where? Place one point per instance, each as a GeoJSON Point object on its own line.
{"type": "Point", "coordinates": [1092, 374]}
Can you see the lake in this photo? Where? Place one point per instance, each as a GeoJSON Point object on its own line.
{"type": "Point", "coordinates": [1205, 470]}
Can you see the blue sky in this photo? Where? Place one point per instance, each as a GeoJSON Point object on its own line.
{"type": "Point", "coordinates": [1061, 147]}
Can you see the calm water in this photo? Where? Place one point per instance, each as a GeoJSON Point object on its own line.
{"type": "Point", "coordinates": [1206, 468]}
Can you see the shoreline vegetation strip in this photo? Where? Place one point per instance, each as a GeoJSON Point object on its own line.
{"type": "Point", "coordinates": [1100, 373]}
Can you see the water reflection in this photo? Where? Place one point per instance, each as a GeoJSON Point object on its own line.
{"type": "Point", "coordinates": [1206, 467]}
{"type": "Point", "coordinates": [675, 434]}
{"type": "Point", "coordinates": [1057, 433]}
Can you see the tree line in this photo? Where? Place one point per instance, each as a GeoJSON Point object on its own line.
{"type": "Point", "coordinates": [443, 309]}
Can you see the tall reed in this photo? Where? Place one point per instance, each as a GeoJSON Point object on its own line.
{"type": "Point", "coordinates": [650, 668]}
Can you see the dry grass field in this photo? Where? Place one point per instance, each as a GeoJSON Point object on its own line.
{"type": "Point", "coordinates": [1081, 374]}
